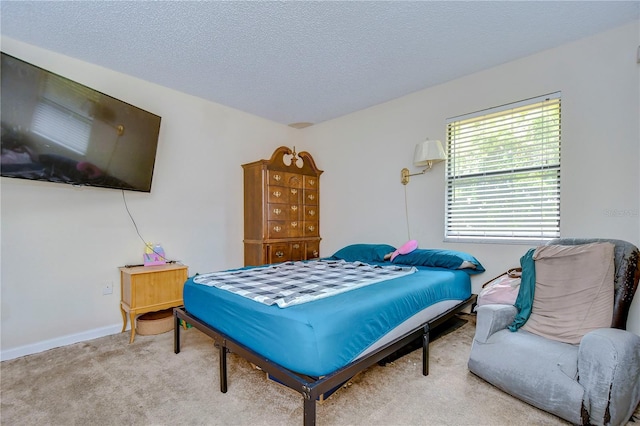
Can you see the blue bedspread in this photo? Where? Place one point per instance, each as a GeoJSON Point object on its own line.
{"type": "Point", "coordinates": [319, 337]}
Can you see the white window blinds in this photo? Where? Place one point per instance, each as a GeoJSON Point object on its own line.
{"type": "Point", "coordinates": [503, 173]}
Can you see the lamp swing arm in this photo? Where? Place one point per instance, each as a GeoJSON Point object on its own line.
{"type": "Point", "coordinates": [404, 173]}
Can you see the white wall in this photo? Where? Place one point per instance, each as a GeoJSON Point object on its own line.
{"type": "Point", "coordinates": [362, 153]}
{"type": "Point", "coordinates": [60, 244]}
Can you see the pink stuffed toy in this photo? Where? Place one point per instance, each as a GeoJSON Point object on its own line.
{"type": "Point", "coordinates": [406, 248]}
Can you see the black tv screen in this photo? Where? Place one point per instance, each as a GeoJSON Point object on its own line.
{"type": "Point", "coordinates": [57, 130]}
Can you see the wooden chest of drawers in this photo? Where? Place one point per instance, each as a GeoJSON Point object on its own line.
{"type": "Point", "coordinates": [281, 208]}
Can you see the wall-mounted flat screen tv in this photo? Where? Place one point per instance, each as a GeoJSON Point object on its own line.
{"type": "Point", "coordinates": [57, 130]}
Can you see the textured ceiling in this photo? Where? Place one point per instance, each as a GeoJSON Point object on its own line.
{"type": "Point", "coordinates": [304, 61]}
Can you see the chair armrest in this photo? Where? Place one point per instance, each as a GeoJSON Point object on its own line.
{"type": "Point", "coordinates": [492, 318]}
{"type": "Point", "coordinates": [609, 371]}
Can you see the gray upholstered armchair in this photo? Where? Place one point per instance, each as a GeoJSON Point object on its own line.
{"type": "Point", "coordinates": [594, 382]}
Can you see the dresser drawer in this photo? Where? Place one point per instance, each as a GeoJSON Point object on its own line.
{"type": "Point", "coordinates": [311, 229]}
{"type": "Point", "coordinates": [278, 253]}
{"type": "Point", "coordinates": [294, 251]}
{"type": "Point", "coordinates": [311, 213]}
{"type": "Point", "coordinates": [297, 250]}
{"type": "Point", "coordinates": [277, 229]}
{"type": "Point", "coordinates": [295, 229]}
{"type": "Point", "coordinates": [310, 197]}
{"type": "Point", "coordinates": [276, 178]}
{"type": "Point", "coordinates": [294, 211]}
{"type": "Point", "coordinates": [278, 212]}
{"type": "Point", "coordinates": [290, 180]}
{"type": "Point", "coordinates": [312, 250]}
{"type": "Point", "coordinates": [284, 195]}
{"type": "Point", "coordinates": [288, 212]}
{"type": "Point", "coordinates": [294, 195]}
{"type": "Point", "coordinates": [310, 182]}
{"type": "Point", "coordinates": [277, 194]}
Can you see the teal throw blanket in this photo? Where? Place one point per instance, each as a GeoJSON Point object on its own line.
{"type": "Point", "coordinates": [524, 301]}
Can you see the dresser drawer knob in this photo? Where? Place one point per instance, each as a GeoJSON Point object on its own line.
{"type": "Point", "coordinates": [296, 246]}
{"type": "Point", "coordinates": [312, 212]}
{"type": "Point", "coordinates": [315, 253]}
{"type": "Point", "coordinates": [277, 178]}
{"type": "Point", "coordinates": [279, 253]}
{"type": "Point", "coordinates": [312, 182]}
{"type": "Point", "coordinates": [311, 197]}
{"type": "Point", "coordinates": [294, 224]}
{"type": "Point", "coordinates": [294, 191]}
{"type": "Point", "coordinates": [294, 208]}
{"type": "Point", "coordinates": [277, 211]}
{"type": "Point", "coordinates": [311, 228]}
{"type": "Point", "coordinates": [277, 194]}
{"type": "Point", "coordinates": [277, 228]}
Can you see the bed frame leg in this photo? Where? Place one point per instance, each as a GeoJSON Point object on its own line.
{"type": "Point", "coordinates": [309, 411]}
{"type": "Point", "coordinates": [223, 369]}
{"type": "Point", "coordinates": [176, 332]}
{"type": "Point", "coordinates": [425, 351]}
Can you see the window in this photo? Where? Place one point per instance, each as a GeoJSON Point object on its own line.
{"type": "Point", "coordinates": [503, 173]}
{"type": "Point", "coordinates": [61, 115]}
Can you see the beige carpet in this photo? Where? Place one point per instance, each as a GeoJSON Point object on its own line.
{"type": "Point", "coordinates": [108, 381]}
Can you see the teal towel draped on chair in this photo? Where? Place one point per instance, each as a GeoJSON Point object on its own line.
{"type": "Point", "coordinates": [524, 301]}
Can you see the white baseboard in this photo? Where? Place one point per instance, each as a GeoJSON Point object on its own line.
{"type": "Point", "coordinates": [45, 345]}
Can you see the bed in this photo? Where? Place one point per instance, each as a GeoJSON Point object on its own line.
{"type": "Point", "coordinates": [331, 338]}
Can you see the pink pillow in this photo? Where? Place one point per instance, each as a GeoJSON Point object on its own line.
{"type": "Point", "coordinates": [406, 248]}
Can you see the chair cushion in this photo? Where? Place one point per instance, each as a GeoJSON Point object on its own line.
{"type": "Point", "coordinates": [540, 371]}
{"type": "Point", "coordinates": [573, 291]}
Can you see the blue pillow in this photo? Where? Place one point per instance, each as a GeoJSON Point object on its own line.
{"type": "Point", "coordinates": [364, 252]}
{"type": "Point", "coordinates": [449, 259]}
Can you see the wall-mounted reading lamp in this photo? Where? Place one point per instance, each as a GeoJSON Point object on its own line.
{"type": "Point", "coordinates": [426, 154]}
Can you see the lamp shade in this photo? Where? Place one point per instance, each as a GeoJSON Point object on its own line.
{"type": "Point", "coordinates": [428, 151]}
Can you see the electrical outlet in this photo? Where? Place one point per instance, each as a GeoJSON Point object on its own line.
{"type": "Point", "coordinates": [107, 288]}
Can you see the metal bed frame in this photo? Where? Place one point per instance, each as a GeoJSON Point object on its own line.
{"type": "Point", "coordinates": [311, 388]}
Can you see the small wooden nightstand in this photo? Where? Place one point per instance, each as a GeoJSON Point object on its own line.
{"type": "Point", "coordinates": [149, 289]}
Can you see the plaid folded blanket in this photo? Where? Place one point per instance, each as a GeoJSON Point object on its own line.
{"type": "Point", "coordinates": [293, 283]}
